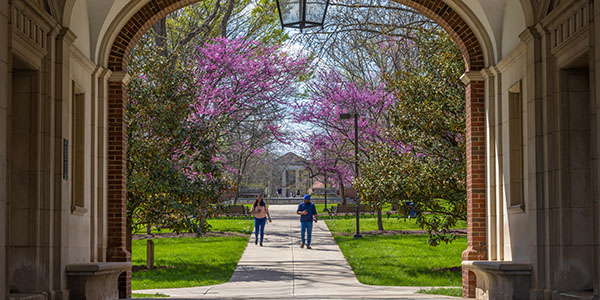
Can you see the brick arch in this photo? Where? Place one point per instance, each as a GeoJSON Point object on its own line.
{"type": "Point", "coordinates": [455, 26]}
{"type": "Point", "coordinates": [135, 28]}
{"type": "Point", "coordinates": [472, 51]}
{"type": "Point", "coordinates": [437, 10]}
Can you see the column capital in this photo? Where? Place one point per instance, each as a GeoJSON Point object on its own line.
{"type": "Point", "coordinates": [102, 73]}
{"type": "Point", "coordinates": [120, 76]}
{"type": "Point", "coordinates": [489, 72]}
{"type": "Point", "coordinates": [67, 35]}
{"type": "Point", "coordinates": [470, 76]}
{"type": "Point", "coordinates": [542, 30]}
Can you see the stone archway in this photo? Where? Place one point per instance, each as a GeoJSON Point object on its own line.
{"type": "Point", "coordinates": [473, 52]}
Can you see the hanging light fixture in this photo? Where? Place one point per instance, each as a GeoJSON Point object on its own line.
{"type": "Point", "coordinates": [302, 14]}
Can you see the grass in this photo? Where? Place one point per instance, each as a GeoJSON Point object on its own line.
{"type": "Point", "coordinates": [402, 260]}
{"type": "Point", "coordinates": [455, 292]}
{"type": "Point", "coordinates": [231, 225]}
{"type": "Point", "coordinates": [349, 225]}
{"type": "Point", "coordinates": [190, 261]}
{"type": "Point", "coordinates": [241, 225]}
{"type": "Point", "coordinates": [157, 295]}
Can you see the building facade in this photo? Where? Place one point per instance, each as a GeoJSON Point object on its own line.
{"type": "Point", "coordinates": [532, 144]}
{"type": "Point", "coordinates": [290, 176]}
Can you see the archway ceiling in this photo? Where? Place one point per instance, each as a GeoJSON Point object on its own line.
{"type": "Point", "coordinates": [107, 17]}
{"type": "Point", "coordinates": [438, 10]}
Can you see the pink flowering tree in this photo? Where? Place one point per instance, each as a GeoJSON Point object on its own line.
{"type": "Point", "coordinates": [187, 121]}
{"type": "Point", "coordinates": [330, 146]}
{"type": "Point", "coordinates": [244, 87]}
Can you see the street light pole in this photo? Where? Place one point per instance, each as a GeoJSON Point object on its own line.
{"type": "Point", "coordinates": [356, 202]}
{"type": "Point", "coordinates": [325, 184]}
{"type": "Point", "coordinates": [357, 235]}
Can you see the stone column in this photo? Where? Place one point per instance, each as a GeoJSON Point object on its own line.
{"type": "Point", "coordinates": [492, 159]}
{"type": "Point", "coordinates": [596, 95]}
{"type": "Point", "coordinates": [117, 181]}
{"type": "Point", "coordinates": [4, 96]}
{"type": "Point", "coordinates": [62, 206]}
{"type": "Point", "coordinates": [284, 183]}
{"type": "Point", "coordinates": [476, 195]}
{"type": "Point", "coordinates": [496, 206]}
{"type": "Point", "coordinates": [537, 139]}
{"type": "Point", "coordinates": [297, 178]}
{"type": "Point", "coordinates": [51, 170]}
{"type": "Point", "coordinates": [102, 164]}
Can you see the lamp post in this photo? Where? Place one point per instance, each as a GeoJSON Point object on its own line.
{"type": "Point", "coordinates": [325, 184]}
{"type": "Point", "coordinates": [302, 14]}
{"type": "Point", "coordinates": [356, 202]}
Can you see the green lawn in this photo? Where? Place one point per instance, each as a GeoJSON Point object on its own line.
{"type": "Point", "coordinates": [241, 225]}
{"type": "Point", "coordinates": [231, 225]}
{"type": "Point", "coordinates": [321, 206]}
{"type": "Point", "coordinates": [192, 261]}
{"type": "Point", "coordinates": [348, 225]}
{"type": "Point", "coordinates": [157, 295]}
{"type": "Point", "coordinates": [402, 260]}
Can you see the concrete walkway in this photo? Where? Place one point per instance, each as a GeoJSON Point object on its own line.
{"type": "Point", "coordinates": [281, 269]}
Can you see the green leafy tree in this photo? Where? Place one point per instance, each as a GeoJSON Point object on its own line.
{"type": "Point", "coordinates": [423, 159]}
{"type": "Point", "coordinates": [160, 190]}
{"type": "Point", "coordinates": [164, 190]}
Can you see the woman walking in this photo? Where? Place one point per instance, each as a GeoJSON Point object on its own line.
{"type": "Point", "coordinates": [260, 210]}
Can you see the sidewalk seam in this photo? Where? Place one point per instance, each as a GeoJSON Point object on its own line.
{"type": "Point", "coordinates": [293, 260]}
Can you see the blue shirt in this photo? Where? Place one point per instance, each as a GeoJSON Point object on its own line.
{"type": "Point", "coordinates": [310, 208]}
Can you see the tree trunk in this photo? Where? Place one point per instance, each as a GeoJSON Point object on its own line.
{"type": "Point", "coordinates": [149, 249]}
{"type": "Point", "coordinates": [225, 20]}
{"type": "Point", "coordinates": [342, 190]}
{"type": "Point", "coordinates": [379, 219]}
{"type": "Point", "coordinates": [237, 195]}
{"type": "Point", "coordinates": [160, 35]}
{"type": "Point", "coordinates": [129, 236]}
{"type": "Point", "coordinates": [238, 181]}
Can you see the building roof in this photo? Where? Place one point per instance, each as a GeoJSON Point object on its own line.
{"type": "Point", "coordinates": [291, 158]}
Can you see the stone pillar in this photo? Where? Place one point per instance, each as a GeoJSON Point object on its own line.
{"type": "Point", "coordinates": [102, 158]}
{"type": "Point", "coordinates": [297, 178]}
{"type": "Point", "coordinates": [4, 96]}
{"type": "Point", "coordinates": [117, 181]}
{"type": "Point", "coordinates": [496, 196]}
{"type": "Point", "coordinates": [476, 194]}
{"type": "Point", "coordinates": [493, 161]}
{"type": "Point", "coordinates": [536, 156]}
{"type": "Point", "coordinates": [596, 95]}
{"type": "Point", "coordinates": [51, 181]}
{"type": "Point", "coordinates": [284, 183]}
{"type": "Point", "coordinates": [61, 187]}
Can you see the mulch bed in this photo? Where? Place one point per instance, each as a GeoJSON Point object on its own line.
{"type": "Point", "coordinates": [398, 232]}
{"type": "Point", "coordinates": [165, 235]}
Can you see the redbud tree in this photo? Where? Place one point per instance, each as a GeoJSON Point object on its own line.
{"type": "Point", "coordinates": [180, 118]}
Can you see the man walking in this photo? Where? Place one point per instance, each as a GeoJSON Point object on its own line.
{"type": "Point", "coordinates": [308, 214]}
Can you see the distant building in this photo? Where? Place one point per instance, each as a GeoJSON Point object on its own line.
{"type": "Point", "coordinates": [291, 175]}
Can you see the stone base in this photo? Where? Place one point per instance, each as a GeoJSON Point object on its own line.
{"type": "Point", "coordinates": [577, 295]}
{"type": "Point", "coordinates": [95, 281]}
{"type": "Point", "coordinates": [26, 297]}
{"type": "Point", "coordinates": [501, 279]}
